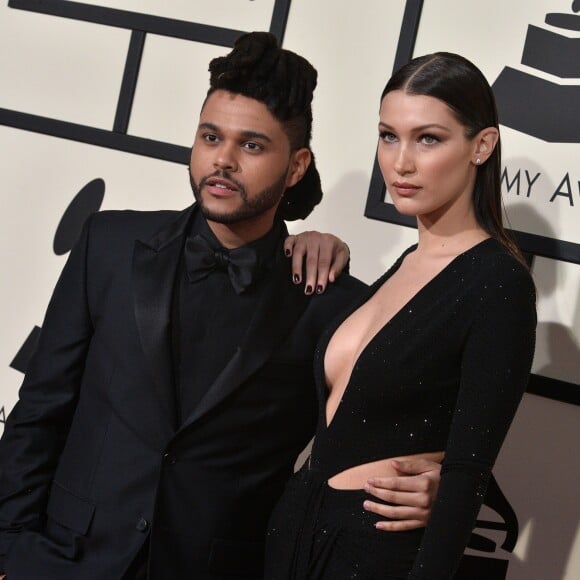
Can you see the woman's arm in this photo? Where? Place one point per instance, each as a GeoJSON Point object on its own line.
{"type": "Point", "coordinates": [495, 367]}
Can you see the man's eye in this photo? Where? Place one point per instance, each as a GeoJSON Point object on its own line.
{"type": "Point", "coordinates": [210, 138]}
{"type": "Point", "coordinates": [253, 146]}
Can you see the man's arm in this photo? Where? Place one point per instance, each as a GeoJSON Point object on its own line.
{"type": "Point", "coordinates": [413, 493]}
{"type": "Point", "coordinates": [36, 429]}
{"type": "Point", "coordinates": [323, 256]}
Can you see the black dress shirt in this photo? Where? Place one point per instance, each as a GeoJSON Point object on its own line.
{"type": "Point", "coordinates": [209, 319]}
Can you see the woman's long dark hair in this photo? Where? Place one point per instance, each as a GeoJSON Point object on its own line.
{"type": "Point", "coordinates": [457, 82]}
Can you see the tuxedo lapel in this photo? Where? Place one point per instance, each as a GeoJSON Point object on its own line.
{"type": "Point", "coordinates": [280, 307]}
{"type": "Point", "coordinates": [155, 263]}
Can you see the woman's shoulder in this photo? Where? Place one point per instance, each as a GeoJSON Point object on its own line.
{"type": "Point", "coordinates": [494, 269]}
{"type": "Point", "coordinates": [494, 259]}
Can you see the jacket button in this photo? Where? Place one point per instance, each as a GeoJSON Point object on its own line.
{"type": "Point", "coordinates": [142, 525]}
{"type": "Point", "coordinates": [169, 458]}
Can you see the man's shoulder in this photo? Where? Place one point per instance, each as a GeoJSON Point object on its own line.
{"type": "Point", "coordinates": [116, 226]}
{"type": "Point", "coordinates": [346, 284]}
{"type": "Point", "coordinates": [338, 294]}
{"type": "Point", "coordinates": [122, 219]}
{"type": "Point", "coordinates": [321, 309]}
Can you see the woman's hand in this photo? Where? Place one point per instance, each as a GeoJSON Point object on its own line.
{"type": "Point", "coordinates": [326, 257]}
{"type": "Point", "coordinates": [413, 493]}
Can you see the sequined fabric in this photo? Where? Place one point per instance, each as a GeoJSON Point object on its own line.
{"type": "Point", "coordinates": [323, 533]}
{"type": "Point", "coordinates": [445, 373]}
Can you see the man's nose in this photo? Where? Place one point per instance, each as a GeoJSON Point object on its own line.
{"type": "Point", "coordinates": [225, 158]}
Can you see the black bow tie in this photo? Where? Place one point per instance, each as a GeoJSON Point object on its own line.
{"type": "Point", "coordinates": [201, 259]}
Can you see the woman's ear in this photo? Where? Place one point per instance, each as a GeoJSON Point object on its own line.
{"type": "Point", "coordinates": [299, 162]}
{"type": "Point", "coordinates": [485, 142]}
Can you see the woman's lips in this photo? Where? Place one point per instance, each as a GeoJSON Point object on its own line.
{"type": "Point", "coordinates": [403, 188]}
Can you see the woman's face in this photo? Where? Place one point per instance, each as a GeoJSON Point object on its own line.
{"type": "Point", "coordinates": [426, 160]}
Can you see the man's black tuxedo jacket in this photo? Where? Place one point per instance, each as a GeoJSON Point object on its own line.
{"type": "Point", "coordinates": [92, 461]}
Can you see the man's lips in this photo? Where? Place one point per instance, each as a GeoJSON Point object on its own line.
{"type": "Point", "coordinates": [220, 187]}
{"type": "Point", "coordinates": [404, 188]}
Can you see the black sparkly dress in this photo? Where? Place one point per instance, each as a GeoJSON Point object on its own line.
{"type": "Point", "coordinates": [445, 373]}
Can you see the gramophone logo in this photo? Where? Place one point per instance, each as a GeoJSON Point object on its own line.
{"type": "Point", "coordinates": [548, 110]}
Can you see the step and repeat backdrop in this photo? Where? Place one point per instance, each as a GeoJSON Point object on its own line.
{"type": "Point", "coordinates": [98, 106]}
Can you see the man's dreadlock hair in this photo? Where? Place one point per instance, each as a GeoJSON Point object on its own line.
{"type": "Point", "coordinates": [259, 69]}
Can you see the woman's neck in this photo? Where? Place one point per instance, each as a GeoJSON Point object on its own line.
{"type": "Point", "coordinates": [448, 239]}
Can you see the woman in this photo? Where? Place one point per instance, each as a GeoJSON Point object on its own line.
{"type": "Point", "coordinates": [433, 360]}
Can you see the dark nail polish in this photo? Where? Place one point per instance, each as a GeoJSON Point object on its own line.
{"type": "Point", "coordinates": [309, 289]}
{"type": "Point", "coordinates": [296, 279]}
{"type": "Point", "coordinates": [319, 289]}
{"type": "Point", "coordinates": [287, 252]}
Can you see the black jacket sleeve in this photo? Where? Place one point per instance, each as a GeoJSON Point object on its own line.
{"type": "Point", "coordinates": [37, 427]}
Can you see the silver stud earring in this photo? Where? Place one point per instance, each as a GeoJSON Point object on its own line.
{"type": "Point", "coordinates": [478, 161]}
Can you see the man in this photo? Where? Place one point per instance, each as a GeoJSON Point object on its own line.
{"type": "Point", "coordinates": [172, 386]}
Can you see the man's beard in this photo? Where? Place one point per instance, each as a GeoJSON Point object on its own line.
{"type": "Point", "coordinates": [248, 208]}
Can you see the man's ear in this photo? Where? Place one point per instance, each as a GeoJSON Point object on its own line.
{"type": "Point", "coordinates": [299, 163]}
{"type": "Point", "coordinates": [485, 142]}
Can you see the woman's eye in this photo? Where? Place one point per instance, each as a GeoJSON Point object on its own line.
{"type": "Point", "coordinates": [429, 139]}
{"type": "Point", "coordinates": [387, 136]}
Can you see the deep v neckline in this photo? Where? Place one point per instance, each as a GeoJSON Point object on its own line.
{"type": "Point", "coordinates": [404, 308]}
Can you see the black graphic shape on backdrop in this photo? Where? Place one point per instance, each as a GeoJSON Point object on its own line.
{"type": "Point", "coordinates": [497, 501]}
{"type": "Point", "coordinates": [2, 415]}
{"type": "Point", "coordinates": [87, 201]}
{"type": "Point", "coordinates": [140, 25]}
{"type": "Point", "coordinates": [555, 389]}
{"type": "Point", "coordinates": [538, 107]}
{"type": "Point", "coordinates": [475, 567]}
{"type": "Point", "coordinates": [480, 568]}
{"type": "Point", "coordinates": [530, 244]}
{"type": "Point", "coordinates": [566, 21]}
{"type": "Point", "coordinates": [553, 53]}
{"type": "Point", "coordinates": [22, 358]}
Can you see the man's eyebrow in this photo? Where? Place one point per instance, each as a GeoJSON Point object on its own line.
{"type": "Point", "coordinates": [209, 126]}
{"type": "Point", "coordinates": [256, 135]}
{"type": "Point", "coordinates": [247, 134]}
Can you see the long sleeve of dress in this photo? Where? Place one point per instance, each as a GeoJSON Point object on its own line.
{"type": "Point", "coordinates": [495, 367]}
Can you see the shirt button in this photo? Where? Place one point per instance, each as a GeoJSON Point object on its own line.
{"type": "Point", "coordinates": [169, 458]}
{"type": "Point", "coordinates": [142, 525]}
